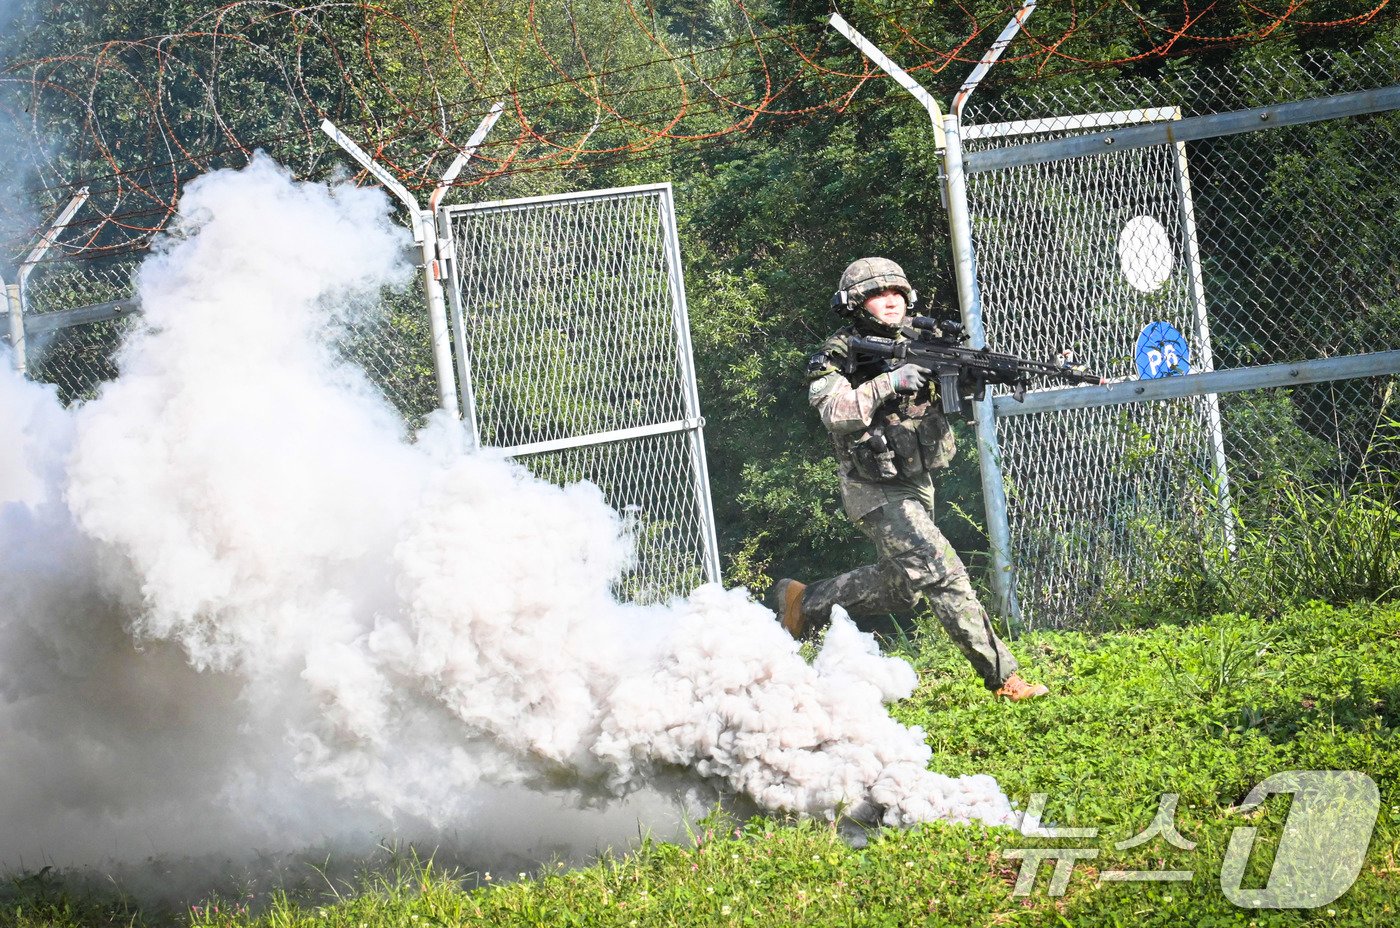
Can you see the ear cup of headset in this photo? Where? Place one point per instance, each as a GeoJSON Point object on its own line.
{"type": "Point", "coordinates": [841, 302]}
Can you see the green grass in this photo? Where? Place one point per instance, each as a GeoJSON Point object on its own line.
{"type": "Point", "coordinates": [1293, 543]}
{"type": "Point", "coordinates": [1323, 542]}
{"type": "Point", "coordinates": [1206, 710]}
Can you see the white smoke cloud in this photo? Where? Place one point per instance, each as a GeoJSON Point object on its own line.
{"type": "Point", "coordinates": [241, 608]}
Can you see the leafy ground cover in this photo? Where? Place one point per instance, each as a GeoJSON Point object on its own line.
{"type": "Point", "coordinates": [1205, 711]}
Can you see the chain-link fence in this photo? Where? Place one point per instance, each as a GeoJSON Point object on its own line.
{"type": "Point", "coordinates": [575, 320]}
{"type": "Point", "coordinates": [1271, 244]}
{"type": "Point", "coordinates": [76, 311]}
{"type": "Point", "coordinates": [393, 347]}
{"type": "Point", "coordinates": [573, 316]}
{"type": "Point", "coordinates": [70, 351]}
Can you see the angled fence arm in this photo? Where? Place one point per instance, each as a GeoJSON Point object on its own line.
{"type": "Point", "coordinates": [991, 57]}
{"type": "Point", "coordinates": [902, 77]}
{"type": "Point", "coordinates": [443, 226]}
{"type": "Point", "coordinates": [15, 293]}
{"type": "Point", "coordinates": [363, 159]}
{"type": "Point", "coordinates": [424, 235]}
{"type": "Point", "coordinates": [465, 155]}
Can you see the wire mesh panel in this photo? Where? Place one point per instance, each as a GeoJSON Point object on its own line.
{"type": "Point", "coordinates": [391, 343]}
{"type": "Point", "coordinates": [572, 315]}
{"type": "Point", "coordinates": [76, 358]}
{"type": "Point", "coordinates": [1084, 255]}
{"type": "Point", "coordinates": [1294, 225]}
{"type": "Point", "coordinates": [1071, 253]}
{"type": "Point", "coordinates": [77, 311]}
{"type": "Point", "coordinates": [649, 481]}
{"type": "Point", "coordinates": [1262, 247]}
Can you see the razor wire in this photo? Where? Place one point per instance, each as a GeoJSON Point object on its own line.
{"type": "Point", "coordinates": [572, 316]}
{"type": "Point", "coordinates": [1274, 245]}
{"type": "Point", "coordinates": [151, 97]}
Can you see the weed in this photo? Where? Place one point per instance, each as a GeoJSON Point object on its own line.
{"type": "Point", "coordinates": [1219, 657]}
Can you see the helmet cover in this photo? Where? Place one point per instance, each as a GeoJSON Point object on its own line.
{"type": "Point", "coordinates": [864, 278]}
{"type": "Point", "coordinates": [867, 276]}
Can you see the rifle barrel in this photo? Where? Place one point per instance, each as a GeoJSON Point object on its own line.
{"type": "Point", "coordinates": [1002, 368]}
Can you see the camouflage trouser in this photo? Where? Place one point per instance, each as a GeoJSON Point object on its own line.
{"type": "Point", "coordinates": [915, 560]}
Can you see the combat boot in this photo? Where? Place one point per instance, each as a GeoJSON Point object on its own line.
{"type": "Point", "coordinates": [785, 598]}
{"type": "Point", "coordinates": [1016, 689]}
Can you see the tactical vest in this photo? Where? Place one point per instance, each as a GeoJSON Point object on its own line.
{"type": "Point", "coordinates": [908, 434]}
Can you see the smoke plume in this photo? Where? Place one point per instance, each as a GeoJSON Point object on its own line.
{"type": "Point", "coordinates": [240, 607]}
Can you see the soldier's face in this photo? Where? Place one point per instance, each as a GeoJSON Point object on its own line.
{"type": "Point", "coordinates": [887, 306]}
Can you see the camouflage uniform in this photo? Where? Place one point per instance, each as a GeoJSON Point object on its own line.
{"type": "Point", "coordinates": [892, 503]}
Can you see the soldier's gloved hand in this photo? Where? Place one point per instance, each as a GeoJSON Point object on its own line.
{"type": "Point", "coordinates": [910, 378]}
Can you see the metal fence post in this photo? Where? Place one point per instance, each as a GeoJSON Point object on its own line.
{"type": "Point", "coordinates": [16, 291]}
{"type": "Point", "coordinates": [16, 317]}
{"type": "Point", "coordinates": [965, 268]}
{"type": "Point", "coordinates": [443, 224]}
{"type": "Point", "coordinates": [431, 238]}
{"type": "Point", "coordinates": [1003, 573]}
{"type": "Point", "coordinates": [438, 329]}
{"type": "Point", "coordinates": [1206, 359]}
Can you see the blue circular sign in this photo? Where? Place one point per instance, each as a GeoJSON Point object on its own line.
{"type": "Point", "coordinates": [1162, 352]}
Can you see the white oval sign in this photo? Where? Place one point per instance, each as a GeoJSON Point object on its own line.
{"type": "Point", "coordinates": [1145, 253]}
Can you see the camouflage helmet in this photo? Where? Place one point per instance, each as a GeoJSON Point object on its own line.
{"type": "Point", "coordinates": [865, 277]}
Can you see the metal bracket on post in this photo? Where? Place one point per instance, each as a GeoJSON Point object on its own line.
{"type": "Point", "coordinates": [17, 292]}
{"type": "Point", "coordinates": [965, 270]}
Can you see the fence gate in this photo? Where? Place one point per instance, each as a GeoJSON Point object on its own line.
{"type": "Point", "coordinates": [1266, 262]}
{"type": "Point", "coordinates": [1081, 253]}
{"type": "Point", "coordinates": [572, 348]}
{"type": "Point", "coordinates": [573, 352]}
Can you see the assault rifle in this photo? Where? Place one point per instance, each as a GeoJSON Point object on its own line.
{"type": "Point", "coordinates": [963, 373]}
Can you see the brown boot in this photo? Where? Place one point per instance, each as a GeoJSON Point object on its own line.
{"type": "Point", "coordinates": [1016, 689]}
{"type": "Point", "coordinates": [785, 598]}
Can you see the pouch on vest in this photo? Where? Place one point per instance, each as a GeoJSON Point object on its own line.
{"type": "Point", "coordinates": [905, 444]}
{"type": "Point", "coordinates": [872, 456]}
{"type": "Point", "coordinates": [936, 440]}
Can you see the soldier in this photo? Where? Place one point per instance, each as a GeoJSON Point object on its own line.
{"type": "Point", "coordinates": [890, 435]}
